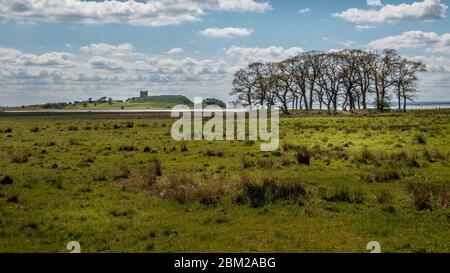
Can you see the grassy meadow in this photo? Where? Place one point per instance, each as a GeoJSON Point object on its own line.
{"type": "Point", "coordinates": [123, 185]}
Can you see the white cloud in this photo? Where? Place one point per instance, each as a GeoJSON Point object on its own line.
{"type": "Point", "coordinates": [153, 13]}
{"type": "Point", "coordinates": [228, 32]}
{"type": "Point", "coordinates": [247, 55]}
{"type": "Point", "coordinates": [102, 48]}
{"type": "Point", "coordinates": [304, 11]}
{"type": "Point", "coordinates": [98, 62]}
{"type": "Point", "coordinates": [48, 59]}
{"type": "Point", "coordinates": [29, 78]}
{"type": "Point", "coordinates": [347, 43]}
{"type": "Point", "coordinates": [416, 11]}
{"type": "Point", "coordinates": [374, 3]}
{"type": "Point", "coordinates": [176, 50]}
{"type": "Point", "coordinates": [364, 27]}
{"type": "Point", "coordinates": [432, 41]}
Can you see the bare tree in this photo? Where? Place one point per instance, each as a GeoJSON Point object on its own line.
{"type": "Point", "coordinates": [242, 88]}
{"type": "Point", "coordinates": [345, 78]}
{"type": "Point", "coordinates": [383, 77]}
{"type": "Point", "coordinates": [405, 78]}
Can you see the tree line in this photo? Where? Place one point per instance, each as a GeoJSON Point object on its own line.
{"type": "Point", "coordinates": [351, 79]}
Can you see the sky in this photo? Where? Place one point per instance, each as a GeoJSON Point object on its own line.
{"type": "Point", "coordinates": [61, 51]}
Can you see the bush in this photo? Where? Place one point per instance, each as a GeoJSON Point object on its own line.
{"type": "Point", "coordinates": [73, 128]}
{"type": "Point", "coordinates": [429, 196]}
{"type": "Point", "coordinates": [303, 156]}
{"type": "Point", "coordinates": [34, 129]}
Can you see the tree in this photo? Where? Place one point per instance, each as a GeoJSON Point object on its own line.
{"type": "Point", "coordinates": [242, 88]}
{"type": "Point", "coordinates": [382, 73]}
{"type": "Point", "coordinates": [329, 79]}
{"type": "Point", "coordinates": [405, 78]}
{"type": "Point", "coordinates": [346, 79]}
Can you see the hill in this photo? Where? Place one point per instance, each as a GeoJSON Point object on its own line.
{"type": "Point", "coordinates": [163, 100]}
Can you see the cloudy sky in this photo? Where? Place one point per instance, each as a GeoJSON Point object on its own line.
{"type": "Point", "coordinates": [65, 50]}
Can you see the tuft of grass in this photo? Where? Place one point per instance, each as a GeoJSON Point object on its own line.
{"type": "Point", "coordinates": [428, 195]}
{"type": "Point", "coordinates": [344, 194]}
{"type": "Point", "coordinates": [6, 180]}
{"type": "Point", "coordinates": [269, 191]}
{"type": "Point", "coordinates": [420, 139]}
{"type": "Point", "coordinates": [384, 196]}
{"type": "Point", "coordinates": [183, 147]}
{"type": "Point", "coordinates": [178, 187]}
{"type": "Point", "coordinates": [382, 175]}
{"type": "Point", "coordinates": [368, 157]}
{"type": "Point", "coordinates": [303, 156]}
{"type": "Point", "coordinates": [19, 156]}
{"type": "Point", "coordinates": [12, 197]}
{"type": "Point", "coordinates": [121, 172]}
{"type": "Point", "coordinates": [210, 193]}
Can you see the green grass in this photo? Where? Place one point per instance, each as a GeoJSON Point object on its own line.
{"type": "Point", "coordinates": [94, 181]}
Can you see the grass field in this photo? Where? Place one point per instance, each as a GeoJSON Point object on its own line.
{"type": "Point", "coordinates": [123, 185]}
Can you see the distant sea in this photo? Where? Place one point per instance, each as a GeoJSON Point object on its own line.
{"type": "Point", "coordinates": [423, 105]}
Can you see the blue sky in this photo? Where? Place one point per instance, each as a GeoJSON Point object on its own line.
{"type": "Point", "coordinates": [72, 51]}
